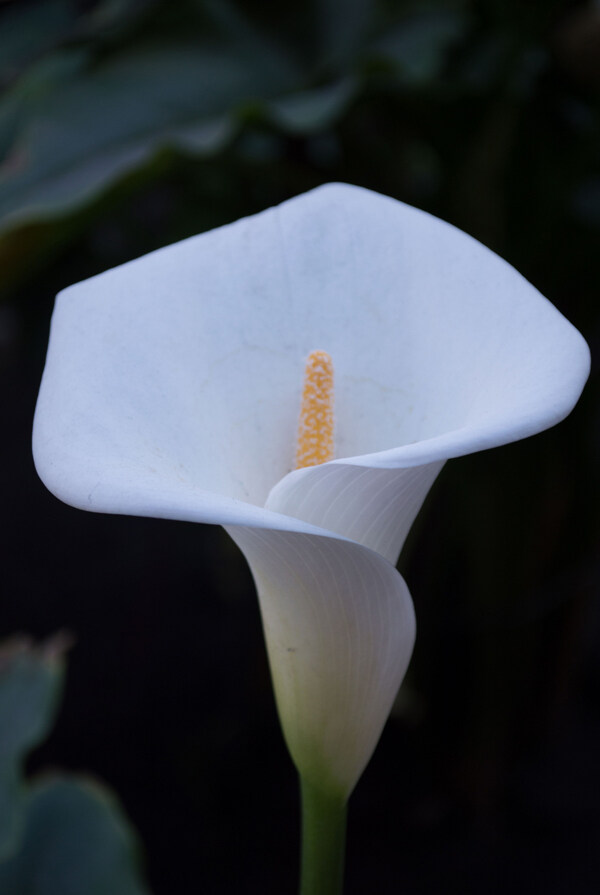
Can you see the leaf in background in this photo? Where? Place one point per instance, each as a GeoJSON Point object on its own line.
{"type": "Point", "coordinates": [418, 45]}
{"type": "Point", "coordinates": [116, 117]}
{"type": "Point", "coordinates": [28, 93]}
{"type": "Point", "coordinates": [75, 842]}
{"type": "Point", "coordinates": [30, 686]}
{"type": "Point", "coordinates": [342, 28]}
{"type": "Point", "coordinates": [254, 46]}
{"type": "Point", "coordinates": [29, 30]}
{"type": "Point", "coordinates": [312, 110]}
{"type": "Point", "coordinates": [111, 17]}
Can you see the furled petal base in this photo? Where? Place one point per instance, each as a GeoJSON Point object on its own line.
{"type": "Point", "coordinates": [340, 627]}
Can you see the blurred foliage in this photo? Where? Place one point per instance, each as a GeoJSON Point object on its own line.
{"type": "Point", "coordinates": [94, 93]}
{"type": "Point", "coordinates": [452, 104]}
{"type": "Point", "coordinates": [29, 686]}
{"type": "Point", "coordinates": [129, 124]}
{"type": "Point", "coordinates": [58, 835]}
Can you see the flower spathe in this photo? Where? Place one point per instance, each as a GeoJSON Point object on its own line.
{"type": "Point", "coordinates": [172, 388]}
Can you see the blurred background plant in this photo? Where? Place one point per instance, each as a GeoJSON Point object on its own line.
{"type": "Point", "coordinates": [129, 124]}
{"type": "Point", "coordinates": [59, 835]}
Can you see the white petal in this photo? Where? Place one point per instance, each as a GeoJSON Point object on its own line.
{"type": "Point", "coordinates": [173, 382]}
{"type": "Point", "coordinates": [339, 626]}
{"type": "Point", "coordinates": [375, 507]}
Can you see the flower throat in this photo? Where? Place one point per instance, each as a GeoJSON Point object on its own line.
{"type": "Point", "coordinates": [315, 427]}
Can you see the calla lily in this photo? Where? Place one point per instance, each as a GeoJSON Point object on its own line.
{"type": "Point", "coordinates": [172, 388]}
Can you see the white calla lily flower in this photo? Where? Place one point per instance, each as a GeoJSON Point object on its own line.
{"type": "Point", "coordinates": [172, 387]}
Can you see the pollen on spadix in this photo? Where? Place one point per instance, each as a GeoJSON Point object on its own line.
{"type": "Point", "coordinates": [315, 428]}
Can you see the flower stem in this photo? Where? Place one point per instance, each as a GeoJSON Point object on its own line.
{"type": "Point", "coordinates": [323, 841]}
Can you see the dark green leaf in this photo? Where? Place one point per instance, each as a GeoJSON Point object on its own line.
{"type": "Point", "coordinates": [342, 28]}
{"type": "Point", "coordinates": [30, 684]}
{"type": "Point", "coordinates": [28, 30]}
{"type": "Point", "coordinates": [417, 46]}
{"type": "Point", "coordinates": [249, 43]}
{"type": "Point", "coordinates": [75, 842]}
{"type": "Point", "coordinates": [116, 117]}
{"type": "Point", "coordinates": [312, 110]}
{"type": "Point", "coordinates": [109, 17]}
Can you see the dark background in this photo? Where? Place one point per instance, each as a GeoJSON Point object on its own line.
{"type": "Point", "coordinates": [129, 124]}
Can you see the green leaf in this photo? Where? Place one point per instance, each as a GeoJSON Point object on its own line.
{"type": "Point", "coordinates": [27, 95]}
{"type": "Point", "coordinates": [30, 686]}
{"type": "Point", "coordinates": [260, 52]}
{"type": "Point", "coordinates": [312, 110]}
{"type": "Point", "coordinates": [417, 46]}
{"type": "Point", "coordinates": [75, 842]}
{"type": "Point", "coordinates": [343, 27]}
{"type": "Point", "coordinates": [112, 17]}
{"type": "Point", "coordinates": [117, 117]}
{"type": "Point", "coordinates": [28, 30]}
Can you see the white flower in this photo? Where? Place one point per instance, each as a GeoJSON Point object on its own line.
{"type": "Point", "coordinates": [172, 389]}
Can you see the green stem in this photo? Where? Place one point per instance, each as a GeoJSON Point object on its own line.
{"type": "Point", "coordinates": [323, 841]}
